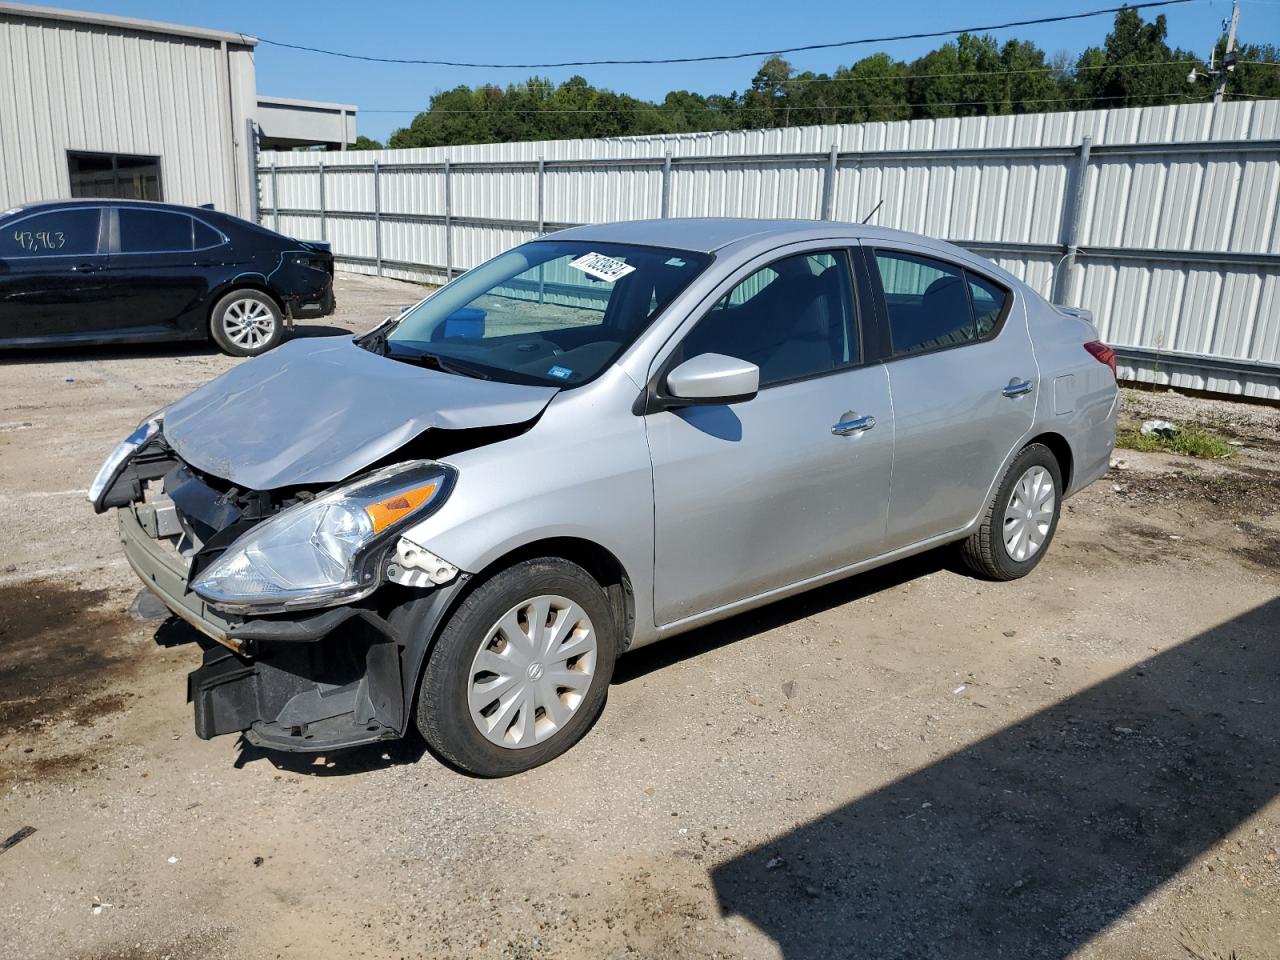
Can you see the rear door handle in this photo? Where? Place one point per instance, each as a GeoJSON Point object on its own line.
{"type": "Point", "coordinates": [1017, 388]}
{"type": "Point", "coordinates": [854, 425]}
{"type": "Point", "coordinates": [86, 268]}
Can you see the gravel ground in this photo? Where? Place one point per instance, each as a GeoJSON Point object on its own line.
{"type": "Point", "coordinates": [912, 763]}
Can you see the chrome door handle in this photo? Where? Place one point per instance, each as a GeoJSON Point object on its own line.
{"type": "Point", "coordinates": [1017, 388]}
{"type": "Point", "coordinates": [857, 425]}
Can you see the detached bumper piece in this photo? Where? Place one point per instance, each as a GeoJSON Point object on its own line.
{"type": "Point", "coordinates": [323, 305]}
{"type": "Point", "coordinates": [338, 690]}
{"type": "Point", "coordinates": [307, 682]}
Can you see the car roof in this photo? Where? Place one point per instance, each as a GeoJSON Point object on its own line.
{"type": "Point", "coordinates": [709, 234]}
{"type": "Point", "coordinates": [106, 202]}
{"type": "Point", "coordinates": [749, 237]}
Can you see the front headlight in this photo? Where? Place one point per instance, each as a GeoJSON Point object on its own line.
{"type": "Point", "coordinates": [120, 456]}
{"type": "Point", "coordinates": [327, 550]}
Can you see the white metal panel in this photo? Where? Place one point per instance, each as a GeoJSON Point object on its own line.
{"type": "Point", "coordinates": [78, 85]}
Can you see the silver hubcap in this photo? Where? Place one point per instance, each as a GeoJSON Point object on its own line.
{"type": "Point", "coordinates": [1029, 515]}
{"type": "Point", "coordinates": [532, 671]}
{"type": "Point", "coordinates": [248, 323]}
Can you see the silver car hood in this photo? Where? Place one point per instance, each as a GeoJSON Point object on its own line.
{"type": "Point", "coordinates": [315, 411]}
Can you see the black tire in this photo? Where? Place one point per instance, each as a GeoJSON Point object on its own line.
{"type": "Point", "coordinates": [443, 712]}
{"type": "Point", "coordinates": [227, 314]}
{"type": "Point", "coordinates": [985, 552]}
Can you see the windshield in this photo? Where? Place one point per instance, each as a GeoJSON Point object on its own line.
{"type": "Point", "coordinates": [548, 312]}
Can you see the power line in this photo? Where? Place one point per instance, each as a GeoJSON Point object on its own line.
{"type": "Point", "coordinates": [900, 79]}
{"type": "Point", "coordinates": [727, 56]}
{"type": "Point", "coordinates": [552, 85]}
{"type": "Point", "coordinates": [799, 109]}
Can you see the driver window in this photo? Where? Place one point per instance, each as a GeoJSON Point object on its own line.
{"type": "Point", "coordinates": [793, 319]}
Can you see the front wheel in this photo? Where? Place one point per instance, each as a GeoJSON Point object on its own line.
{"type": "Point", "coordinates": [520, 671]}
{"type": "Point", "coordinates": [1020, 519]}
{"type": "Point", "coordinates": [246, 323]}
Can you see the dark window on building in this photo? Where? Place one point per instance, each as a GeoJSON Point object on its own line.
{"type": "Point", "coordinates": [115, 175]}
{"type": "Point", "coordinates": [154, 231]}
{"type": "Point", "coordinates": [58, 233]}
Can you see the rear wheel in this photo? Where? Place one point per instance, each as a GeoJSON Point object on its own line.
{"type": "Point", "coordinates": [245, 323]}
{"type": "Point", "coordinates": [520, 671]}
{"type": "Point", "coordinates": [1020, 519]}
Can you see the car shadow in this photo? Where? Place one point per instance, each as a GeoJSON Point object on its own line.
{"type": "Point", "coordinates": [695, 643]}
{"type": "Point", "coordinates": [1033, 840]}
{"type": "Point", "coordinates": [174, 631]}
{"type": "Point", "coordinates": [304, 330]}
{"type": "Point", "coordinates": [344, 762]}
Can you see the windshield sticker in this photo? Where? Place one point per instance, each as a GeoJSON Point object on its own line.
{"type": "Point", "coordinates": [675, 262]}
{"type": "Point", "coordinates": [560, 373]}
{"type": "Point", "coordinates": [601, 267]}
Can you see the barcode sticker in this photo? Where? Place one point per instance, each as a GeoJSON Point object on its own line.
{"type": "Point", "coordinates": [601, 267]}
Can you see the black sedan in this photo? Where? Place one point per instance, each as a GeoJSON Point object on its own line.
{"type": "Point", "coordinates": [99, 271]}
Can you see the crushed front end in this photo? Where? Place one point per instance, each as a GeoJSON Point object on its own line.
{"type": "Point", "coordinates": [297, 669]}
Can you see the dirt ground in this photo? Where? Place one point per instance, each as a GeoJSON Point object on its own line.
{"type": "Point", "coordinates": [912, 763]}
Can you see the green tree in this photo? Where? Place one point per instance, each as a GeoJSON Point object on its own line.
{"type": "Point", "coordinates": [1134, 68]}
{"type": "Point", "coordinates": [765, 103]}
{"type": "Point", "coordinates": [969, 76]}
{"type": "Point", "coordinates": [1256, 73]}
{"type": "Point", "coordinates": [365, 143]}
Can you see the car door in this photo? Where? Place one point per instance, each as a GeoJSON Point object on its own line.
{"type": "Point", "coordinates": [754, 496]}
{"type": "Point", "coordinates": [964, 380]}
{"type": "Point", "coordinates": [155, 276]}
{"type": "Point", "coordinates": [51, 274]}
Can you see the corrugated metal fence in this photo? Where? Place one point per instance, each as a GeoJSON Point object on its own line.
{"type": "Point", "coordinates": [1164, 221]}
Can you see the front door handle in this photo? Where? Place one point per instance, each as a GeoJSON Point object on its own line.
{"type": "Point", "coordinates": [1017, 388]}
{"type": "Point", "coordinates": [86, 268]}
{"type": "Point", "coordinates": [850, 424]}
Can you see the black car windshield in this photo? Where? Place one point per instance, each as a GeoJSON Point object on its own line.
{"type": "Point", "coordinates": [548, 312]}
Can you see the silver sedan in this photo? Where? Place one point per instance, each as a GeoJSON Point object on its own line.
{"type": "Point", "coordinates": [597, 440]}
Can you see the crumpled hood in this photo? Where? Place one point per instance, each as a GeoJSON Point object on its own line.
{"type": "Point", "coordinates": [315, 411]}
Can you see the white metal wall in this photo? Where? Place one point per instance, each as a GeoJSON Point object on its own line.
{"type": "Point", "coordinates": [77, 85]}
{"type": "Point", "coordinates": [1167, 225]}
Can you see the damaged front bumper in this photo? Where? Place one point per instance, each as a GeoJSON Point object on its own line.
{"type": "Point", "coordinates": [307, 681]}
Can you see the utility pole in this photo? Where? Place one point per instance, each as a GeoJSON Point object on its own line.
{"type": "Point", "coordinates": [1228, 55]}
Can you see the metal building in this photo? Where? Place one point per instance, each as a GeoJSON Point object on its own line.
{"type": "Point", "coordinates": [97, 105]}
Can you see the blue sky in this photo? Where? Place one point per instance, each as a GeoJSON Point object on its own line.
{"type": "Point", "coordinates": [505, 30]}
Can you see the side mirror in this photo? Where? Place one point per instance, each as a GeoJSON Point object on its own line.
{"type": "Point", "coordinates": [713, 378]}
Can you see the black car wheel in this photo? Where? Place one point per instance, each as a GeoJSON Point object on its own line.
{"type": "Point", "coordinates": [520, 671]}
{"type": "Point", "coordinates": [245, 323]}
{"type": "Point", "coordinates": [1020, 519]}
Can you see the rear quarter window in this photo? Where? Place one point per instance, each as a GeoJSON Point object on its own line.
{"type": "Point", "coordinates": [154, 231]}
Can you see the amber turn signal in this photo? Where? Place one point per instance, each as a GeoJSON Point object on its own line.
{"type": "Point", "coordinates": [388, 511]}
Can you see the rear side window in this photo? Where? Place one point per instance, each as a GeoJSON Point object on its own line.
{"type": "Point", "coordinates": [793, 319]}
{"type": "Point", "coordinates": [933, 304]}
{"type": "Point", "coordinates": [154, 231]}
{"type": "Point", "coordinates": [206, 236]}
{"type": "Point", "coordinates": [58, 233]}
{"type": "Point", "coordinates": [988, 303]}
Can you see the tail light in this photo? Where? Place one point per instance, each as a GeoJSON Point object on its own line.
{"type": "Point", "coordinates": [1102, 353]}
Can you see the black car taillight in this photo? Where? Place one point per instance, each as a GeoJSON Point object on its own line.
{"type": "Point", "coordinates": [1102, 353]}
